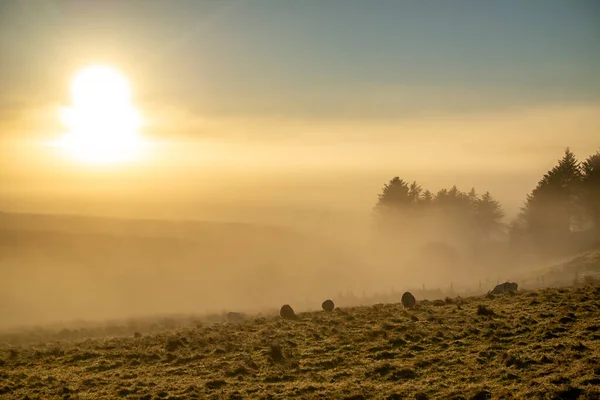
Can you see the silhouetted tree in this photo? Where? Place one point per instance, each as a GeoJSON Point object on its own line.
{"type": "Point", "coordinates": [395, 195]}
{"type": "Point", "coordinates": [426, 199]}
{"type": "Point", "coordinates": [473, 202]}
{"type": "Point", "coordinates": [590, 190]}
{"type": "Point", "coordinates": [454, 203]}
{"type": "Point", "coordinates": [394, 201]}
{"type": "Point", "coordinates": [517, 232]}
{"type": "Point", "coordinates": [551, 210]}
{"type": "Point", "coordinates": [460, 215]}
{"type": "Point", "coordinates": [414, 192]}
{"type": "Point", "coordinates": [489, 215]}
{"type": "Point", "coordinates": [472, 195]}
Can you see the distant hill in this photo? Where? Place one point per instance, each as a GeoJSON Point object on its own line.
{"type": "Point", "coordinates": [62, 266]}
{"type": "Point", "coordinates": [585, 266]}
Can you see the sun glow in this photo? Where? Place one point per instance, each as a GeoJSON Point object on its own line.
{"type": "Point", "coordinates": [102, 122]}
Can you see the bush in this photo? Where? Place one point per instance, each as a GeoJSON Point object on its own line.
{"type": "Point", "coordinates": [485, 311]}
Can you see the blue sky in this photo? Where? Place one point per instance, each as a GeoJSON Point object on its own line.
{"type": "Point", "coordinates": [314, 58]}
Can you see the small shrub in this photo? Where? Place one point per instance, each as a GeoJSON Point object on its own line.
{"type": "Point", "coordinates": [173, 344]}
{"type": "Point", "coordinates": [403, 373]}
{"type": "Point", "coordinates": [215, 384]}
{"type": "Point", "coordinates": [240, 370]}
{"type": "Point", "coordinates": [276, 353]}
{"type": "Point", "coordinates": [485, 311]}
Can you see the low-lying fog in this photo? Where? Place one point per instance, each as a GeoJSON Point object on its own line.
{"type": "Point", "coordinates": [60, 268]}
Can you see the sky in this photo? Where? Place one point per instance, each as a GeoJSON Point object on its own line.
{"type": "Point", "coordinates": [332, 96]}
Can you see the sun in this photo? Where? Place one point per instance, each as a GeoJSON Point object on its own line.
{"type": "Point", "coordinates": [103, 125]}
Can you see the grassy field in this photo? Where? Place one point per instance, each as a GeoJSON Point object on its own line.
{"type": "Point", "coordinates": [535, 345]}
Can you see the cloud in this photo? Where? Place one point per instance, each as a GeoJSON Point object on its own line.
{"type": "Point", "coordinates": [28, 120]}
{"type": "Point", "coordinates": [507, 129]}
{"type": "Point", "coordinates": [362, 101]}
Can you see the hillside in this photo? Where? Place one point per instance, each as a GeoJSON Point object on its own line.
{"type": "Point", "coordinates": [532, 345]}
{"type": "Point", "coordinates": [581, 268]}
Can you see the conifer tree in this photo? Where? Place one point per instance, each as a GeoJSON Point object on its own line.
{"type": "Point", "coordinates": [551, 210]}
{"type": "Point", "coordinates": [590, 190]}
{"type": "Point", "coordinates": [489, 215]}
{"type": "Point", "coordinates": [395, 195]}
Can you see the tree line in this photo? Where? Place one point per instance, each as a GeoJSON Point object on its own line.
{"type": "Point", "coordinates": [561, 212]}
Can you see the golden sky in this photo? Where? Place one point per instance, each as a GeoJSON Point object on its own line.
{"type": "Point", "coordinates": [302, 103]}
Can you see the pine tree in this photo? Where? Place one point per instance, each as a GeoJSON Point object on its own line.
{"type": "Point", "coordinates": [392, 205]}
{"type": "Point", "coordinates": [473, 202]}
{"type": "Point", "coordinates": [489, 215]}
{"type": "Point", "coordinates": [473, 196]}
{"type": "Point", "coordinates": [414, 192]}
{"type": "Point", "coordinates": [453, 202]}
{"type": "Point", "coordinates": [590, 190]}
{"type": "Point", "coordinates": [398, 211]}
{"type": "Point", "coordinates": [426, 198]}
{"type": "Point", "coordinates": [551, 210]}
{"type": "Point", "coordinates": [395, 195]}
{"type": "Point", "coordinates": [456, 211]}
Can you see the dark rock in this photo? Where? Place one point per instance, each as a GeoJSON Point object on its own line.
{"type": "Point", "coordinates": [328, 305]}
{"type": "Point", "coordinates": [482, 395]}
{"type": "Point", "coordinates": [287, 312]}
{"type": "Point", "coordinates": [569, 394]}
{"type": "Point", "coordinates": [408, 300]}
{"type": "Point", "coordinates": [506, 287]}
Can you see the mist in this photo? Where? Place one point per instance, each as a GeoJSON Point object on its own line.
{"type": "Point", "coordinates": [268, 145]}
{"type": "Point", "coordinates": [97, 244]}
{"type": "Point", "coordinates": [250, 255]}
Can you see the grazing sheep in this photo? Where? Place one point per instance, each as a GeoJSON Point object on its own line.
{"type": "Point", "coordinates": [506, 287]}
{"type": "Point", "coordinates": [328, 305]}
{"type": "Point", "coordinates": [235, 317]}
{"type": "Point", "coordinates": [408, 300]}
{"type": "Point", "coordinates": [287, 312]}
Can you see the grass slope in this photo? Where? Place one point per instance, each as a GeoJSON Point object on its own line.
{"type": "Point", "coordinates": [534, 345]}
